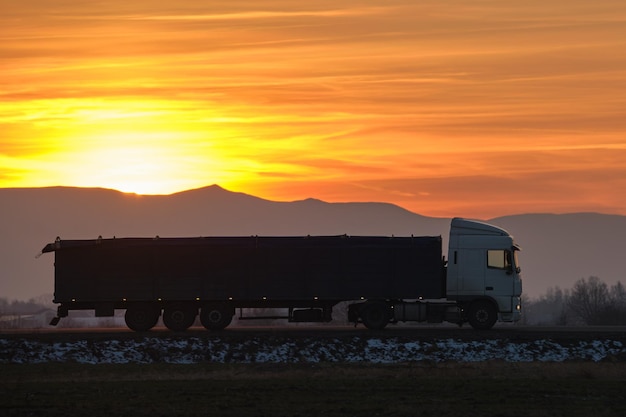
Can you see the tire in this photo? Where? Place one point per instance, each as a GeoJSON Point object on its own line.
{"type": "Point", "coordinates": [179, 317]}
{"type": "Point", "coordinates": [375, 315]}
{"type": "Point", "coordinates": [482, 315]}
{"type": "Point", "coordinates": [216, 316]}
{"type": "Point", "coordinates": [142, 317]}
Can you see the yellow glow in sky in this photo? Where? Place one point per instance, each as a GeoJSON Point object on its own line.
{"type": "Point", "coordinates": [447, 108]}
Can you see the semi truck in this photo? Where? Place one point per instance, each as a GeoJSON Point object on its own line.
{"type": "Point", "coordinates": [380, 279]}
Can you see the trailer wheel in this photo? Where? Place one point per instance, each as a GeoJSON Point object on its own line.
{"type": "Point", "coordinates": [482, 315]}
{"type": "Point", "coordinates": [375, 315]}
{"type": "Point", "coordinates": [179, 317]}
{"type": "Point", "coordinates": [142, 317]}
{"type": "Point", "coordinates": [216, 316]}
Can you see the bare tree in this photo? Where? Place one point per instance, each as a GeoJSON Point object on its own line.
{"type": "Point", "coordinates": [618, 295]}
{"type": "Point", "coordinates": [616, 313]}
{"type": "Point", "coordinates": [595, 303]}
{"type": "Point", "coordinates": [590, 300]}
{"type": "Point", "coordinates": [549, 309]}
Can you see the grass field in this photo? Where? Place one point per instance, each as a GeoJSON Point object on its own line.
{"type": "Point", "coordinates": [491, 388]}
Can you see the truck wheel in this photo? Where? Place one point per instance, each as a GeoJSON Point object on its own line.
{"type": "Point", "coordinates": [375, 315]}
{"type": "Point", "coordinates": [216, 316]}
{"type": "Point", "coordinates": [142, 317]}
{"type": "Point", "coordinates": [482, 315]}
{"type": "Point", "coordinates": [179, 317]}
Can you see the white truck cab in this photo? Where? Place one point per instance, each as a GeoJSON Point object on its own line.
{"type": "Point", "coordinates": [483, 272]}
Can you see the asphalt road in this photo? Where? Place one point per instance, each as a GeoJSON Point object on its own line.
{"type": "Point", "coordinates": [320, 332]}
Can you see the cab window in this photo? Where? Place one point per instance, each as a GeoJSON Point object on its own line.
{"type": "Point", "coordinates": [499, 259]}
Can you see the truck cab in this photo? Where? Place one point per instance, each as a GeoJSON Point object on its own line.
{"type": "Point", "coordinates": [483, 273]}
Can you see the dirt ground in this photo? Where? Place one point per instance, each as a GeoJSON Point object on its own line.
{"type": "Point", "coordinates": [412, 389]}
{"type": "Point", "coordinates": [416, 388]}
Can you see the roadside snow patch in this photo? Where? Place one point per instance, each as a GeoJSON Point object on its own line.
{"type": "Point", "coordinates": [287, 350]}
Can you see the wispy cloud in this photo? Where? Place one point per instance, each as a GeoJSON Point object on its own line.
{"type": "Point", "coordinates": [400, 100]}
{"type": "Point", "coordinates": [263, 14]}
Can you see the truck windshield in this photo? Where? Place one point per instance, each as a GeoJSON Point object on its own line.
{"type": "Point", "coordinates": [515, 261]}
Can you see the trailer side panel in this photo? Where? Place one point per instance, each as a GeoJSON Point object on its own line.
{"type": "Point", "coordinates": [249, 268]}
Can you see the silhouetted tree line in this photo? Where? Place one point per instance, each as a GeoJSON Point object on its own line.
{"type": "Point", "coordinates": [33, 313]}
{"type": "Point", "coordinates": [16, 307]}
{"type": "Point", "coordinates": [590, 301]}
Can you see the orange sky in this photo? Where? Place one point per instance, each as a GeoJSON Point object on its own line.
{"type": "Point", "coordinates": [447, 108]}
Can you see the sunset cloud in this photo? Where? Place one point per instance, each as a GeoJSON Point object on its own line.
{"type": "Point", "coordinates": [444, 107]}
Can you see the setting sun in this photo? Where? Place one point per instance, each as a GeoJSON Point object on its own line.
{"type": "Point", "coordinates": [444, 108]}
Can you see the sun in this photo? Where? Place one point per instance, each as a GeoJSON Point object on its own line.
{"type": "Point", "coordinates": [135, 147]}
{"type": "Point", "coordinates": [147, 162]}
{"type": "Point", "coordinates": [139, 146]}
{"type": "Point", "coordinates": [134, 169]}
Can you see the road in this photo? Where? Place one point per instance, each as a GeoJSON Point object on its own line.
{"type": "Point", "coordinates": [321, 332]}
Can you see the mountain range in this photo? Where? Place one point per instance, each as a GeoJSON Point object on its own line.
{"type": "Point", "coordinates": [558, 249]}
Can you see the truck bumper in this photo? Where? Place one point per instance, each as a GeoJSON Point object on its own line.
{"type": "Point", "coordinates": [516, 311]}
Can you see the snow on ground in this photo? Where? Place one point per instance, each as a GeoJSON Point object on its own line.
{"type": "Point", "coordinates": [308, 350]}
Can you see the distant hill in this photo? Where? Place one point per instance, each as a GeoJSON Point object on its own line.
{"type": "Point", "coordinates": [558, 249]}
{"type": "Point", "coordinates": [33, 217]}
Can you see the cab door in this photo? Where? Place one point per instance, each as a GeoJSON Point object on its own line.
{"type": "Point", "coordinates": [468, 267]}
